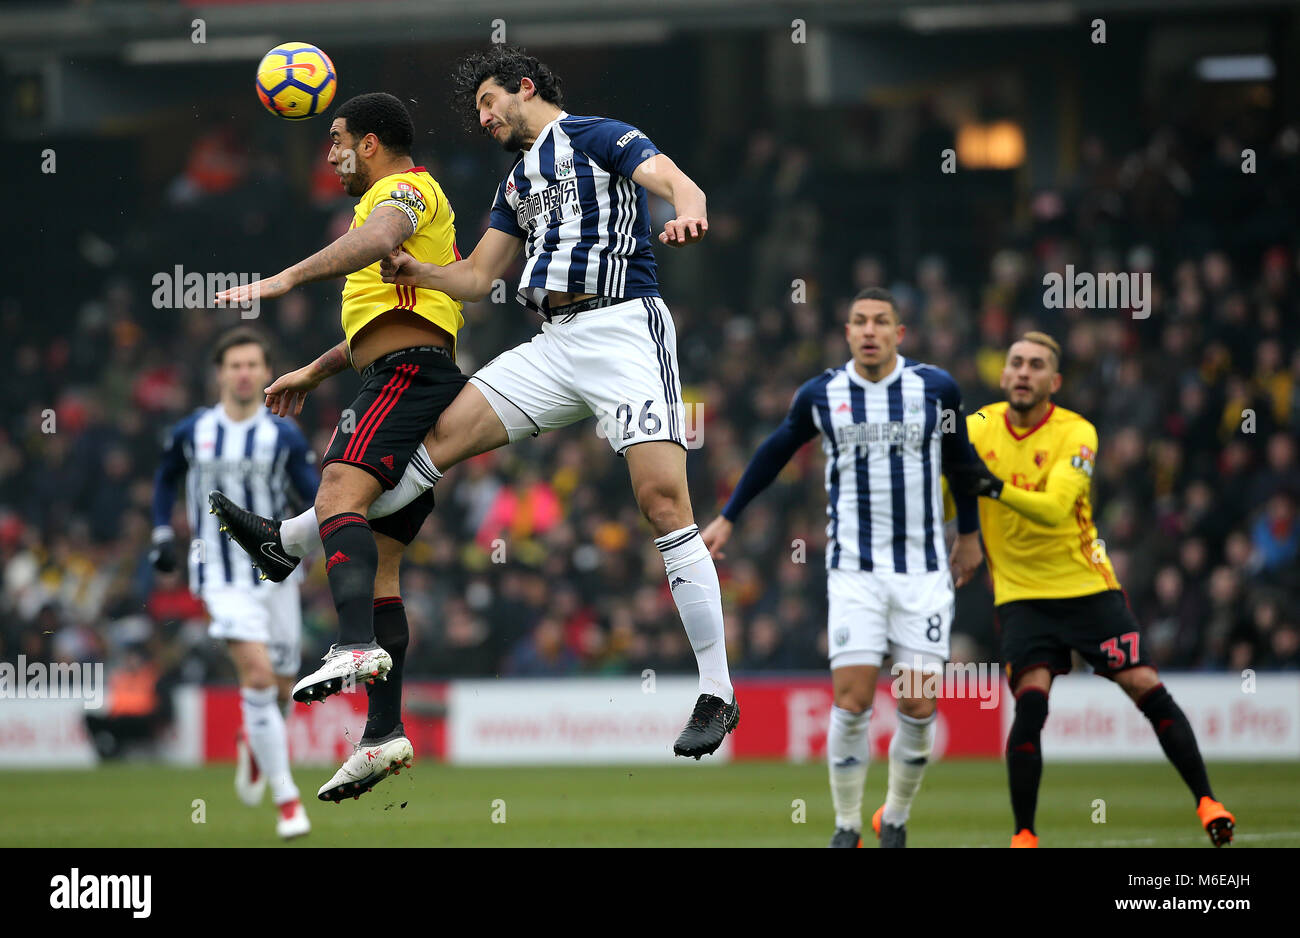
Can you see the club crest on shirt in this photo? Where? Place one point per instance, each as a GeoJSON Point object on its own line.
{"type": "Point", "coordinates": [1040, 457]}
{"type": "Point", "coordinates": [564, 168]}
{"type": "Point", "coordinates": [841, 636]}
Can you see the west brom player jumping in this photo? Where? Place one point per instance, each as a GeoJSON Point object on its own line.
{"type": "Point", "coordinates": [889, 427]}
{"type": "Point", "coordinates": [575, 202]}
{"type": "Point", "coordinates": [237, 446]}
{"type": "Point", "coordinates": [1053, 585]}
{"type": "Point", "coordinates": [402, 341]}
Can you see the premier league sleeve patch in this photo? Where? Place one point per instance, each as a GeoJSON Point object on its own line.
{"type": "Point", "coordinates": [1083, 461]}
{"type": "Point", "coordinates": [409, 199]}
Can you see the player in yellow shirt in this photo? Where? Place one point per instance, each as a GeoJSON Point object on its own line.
{"type": "Point", "coordinates": [1054, 589]}
{"type": "Point", "coordinates": [402, 339]}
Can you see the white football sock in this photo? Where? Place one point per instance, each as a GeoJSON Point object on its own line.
{"type": "Point", "coordinates": [909, 753]}
{"type": "Point", "coordinates": [848, 752]}
{"type": "Point", "coordinates": [300, 535]}
{"type": "Point", "coordinates": [264, 725]}
{"type": "Point", "coordinates": [693, 580]}
{"type": "Point", "coordinates": [420, 476]}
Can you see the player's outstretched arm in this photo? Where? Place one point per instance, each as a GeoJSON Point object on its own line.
{"type": "Point", "coordinates": [1069, 477]}
{"type": "Point", "coordinates": [664, 178]}
{"type": "Point", "coordinates": [287, 393]}
{"type": "Point", "coordinates": [467, 279]}
{"type": "Point", "coordinates": [765, 465]}
{"type": "Point", "coordinates": [383, 232]}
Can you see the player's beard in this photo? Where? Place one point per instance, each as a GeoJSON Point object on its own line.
{"type": "Point", "coordinates": [358, 184]}
{"type": "Point", "coordinates": [514, 140]}
{"type": "Point", "coordinates": [1024, 407]}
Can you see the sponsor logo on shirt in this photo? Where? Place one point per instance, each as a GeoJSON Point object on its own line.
{"type": "Point", "coordinates": [556, 202]}
{"type": "Point", "coordinates": [890, 433]}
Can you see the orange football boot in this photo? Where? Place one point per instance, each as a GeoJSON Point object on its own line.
{"type": "Point", "coordinates": [1216, 820]}
{"type": "Point", "coordinates": [1026, 838]}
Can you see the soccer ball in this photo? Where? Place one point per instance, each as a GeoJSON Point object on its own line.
{"type": "Point", "coordinates": [295, 80]}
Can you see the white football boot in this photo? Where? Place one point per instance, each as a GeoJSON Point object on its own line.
{"type": "Point", "coordinates": [367, 767]}
{"type": "Point", "coordinates": [343, 669]}
{"type": "Point", "coordinates": [292, 821]}
{"type": "Point", "coordinates": [250, 782]}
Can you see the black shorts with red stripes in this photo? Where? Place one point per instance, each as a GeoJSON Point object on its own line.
{"type": "Point", "coordinates": [1043, 632]}
{"type": "Point", "coordinates": [402, 395]}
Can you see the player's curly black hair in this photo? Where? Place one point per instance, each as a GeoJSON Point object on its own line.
{"type": "Point", "coordinates": [508, 65]}
{"type": "Point", "coordinates": [382, 115]}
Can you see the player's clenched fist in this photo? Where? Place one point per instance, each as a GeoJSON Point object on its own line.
{"type": "Point", "coordinates": [400, 267]}
{"type": "Point", "coordinates": [683, 230]}
{"type": "Point", "coordinates": [163, 555]}
{"type": "Point", "coordinates": [715, 535]}
{"type": "Point", "coordinates": [966, 557]}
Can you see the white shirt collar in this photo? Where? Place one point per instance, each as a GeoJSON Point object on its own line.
{"type": "Point", "coordinates": [547, 129]}
{"type": "Point", "coordinates": [887, 380]}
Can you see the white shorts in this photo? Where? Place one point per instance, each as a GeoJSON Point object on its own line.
{"type": "Point", "coordinates": [905, 615]}
{"type": "Point", "coordinates": [269, 613]}
{"type": "Point", "coordinates": [618, 363]}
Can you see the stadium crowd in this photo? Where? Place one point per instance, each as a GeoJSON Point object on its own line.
{"type": "Point", "coordinates": [536, 562]}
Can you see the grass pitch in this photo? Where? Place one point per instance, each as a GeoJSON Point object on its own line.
{"type": "Point", "coordinates": [752, 804]}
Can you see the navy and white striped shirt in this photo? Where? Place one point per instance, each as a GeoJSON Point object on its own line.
{"type": "Point", "coordinates": [252, 462]}
{"type": "Point", "coordinates": [585, 224]}
{"type": "Point", "coordinates": [886, 443]}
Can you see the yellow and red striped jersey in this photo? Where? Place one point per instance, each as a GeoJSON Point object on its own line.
{"type": "Point", "coordinates": [1039, 535]}
{"type": "Point", "coordinates": [365, 295]}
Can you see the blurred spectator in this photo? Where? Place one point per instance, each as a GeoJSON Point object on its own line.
{"type": "Point", "coordinates": [134, 711]}
{"type": "Point", "coordinates": [542, 653]}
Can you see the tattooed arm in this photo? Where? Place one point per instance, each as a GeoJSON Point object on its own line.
{"type": "Point", "coordinates": [383, 232]}
{"type": "Point", "coordinates": [287, 393]}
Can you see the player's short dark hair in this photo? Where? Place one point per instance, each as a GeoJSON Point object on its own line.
{"type": "Point", "coordinates": [241, 335]}
{"type": "Point", "coordinates": [382, 115]}
{"type": "Point", "coordinates": [879, 293]}
{"type": "Point", "coordinates": [508, 65]}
